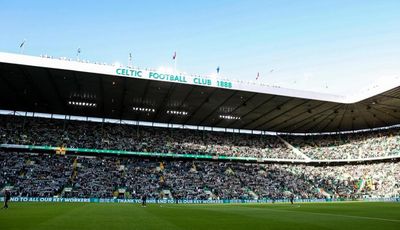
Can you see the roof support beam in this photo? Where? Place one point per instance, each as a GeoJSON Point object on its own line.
{"type": "Point", "coordinates": [146, 89]}
{"type": "Point", "coordinates": [13, 90]}
{"type": "Point", "coordinates": [251, 111]}
{"type": "Point", "coordinates": [183, 102]}
{"type": "Point", "coordinates": [277, 116]}
{"type": "Point", "coordinates": [389, 96]}
{"type": "Point", "coordinates": [265, 114]}
{"type": "Point", "coordinates": [199, 107]}
{"type": "Point", "coordinates": [342, 118]}
{"type": "Point", "coordinates": [236, 108]}
{"type": "Point", "coordinates": [315, 117]}
{"type": "Point", "coordinates": [102, 99]}
{"type": "Point", "coordinates": [312, 129]}
{"type": "Point", "coordinates": [34, 88]}
{"type": "Point", "coordinates": [388, 114]}
{"type": "Point", "coordinates": [365, 120]}
{"type": "Point", "coordinates": [164, 102]}
{"type": "Point", "coordinates": [377, 118]}
{"type": "Point", "coordinates": [57, 91]}
{"type": "Point", "coordinates": [122, 100]}
{"type": "Point", "coordinates": [307, 117]}
{"type": "Point", "coordinates": [217, 107]}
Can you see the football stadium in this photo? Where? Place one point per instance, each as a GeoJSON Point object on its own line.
{"type": "Point", "coordinates": [91, 145]}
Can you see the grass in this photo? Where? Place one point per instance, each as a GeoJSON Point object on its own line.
{"type": "Point", "coordinates": [59, 216]}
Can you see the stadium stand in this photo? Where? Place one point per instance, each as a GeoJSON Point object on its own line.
{"type": "Point", "coordinates": [51, 132]}
{"type": "Point", "coordinates": [238, 165]}
{"type": "Point", "coordinates": [40, 131]}
{"type": "Point", "coordinates": [349, 146]}
{"type": "Point", "coordinates": [82, 176]}
{"type": "Point", "coordinates": [32, 174]}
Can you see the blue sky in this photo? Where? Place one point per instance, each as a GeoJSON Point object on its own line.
{"type": "Point", "coordinates": [331, 45]}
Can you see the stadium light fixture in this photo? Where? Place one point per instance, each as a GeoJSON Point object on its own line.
{"type": "Point", "coordinates": [229, 117]}
{"type": "Point", "coordinates": [82, 104]}
{"type": "Point", "coordinates": [141, 109]}
{"type": "Point", "coordinates": [175, 112]}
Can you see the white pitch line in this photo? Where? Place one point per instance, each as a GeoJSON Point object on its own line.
{"type": "Point", "coordinates": [316, 213]}
{"type": "Point", "coordinates": [339, 215]}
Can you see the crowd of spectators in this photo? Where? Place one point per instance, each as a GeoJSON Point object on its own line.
{"type": "Point", "coordinates": [80, 134]}
{"type": "Point", "coordinates": [31, 174]}
{"type": "Point", "coordinates": [379, 143]}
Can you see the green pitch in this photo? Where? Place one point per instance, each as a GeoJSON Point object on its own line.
{"type": "Point", "coordinates": [59, 216]}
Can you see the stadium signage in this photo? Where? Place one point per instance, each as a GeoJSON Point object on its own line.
{"type": "Point", "coordinates": [153, 75]}
{"type": "Point", "coordinates": [167, 77]}
{"type": "Point", "coordinates": [187, 201]}
{"type": "Point", "coordinates": [50, 199]}
{"type": "Point", "coordinates": [129, 72]}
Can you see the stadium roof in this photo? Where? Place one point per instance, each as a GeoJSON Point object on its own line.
{"type": "Point", "coordinates": [60, 86]}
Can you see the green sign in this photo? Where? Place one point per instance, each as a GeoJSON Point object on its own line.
{"type": "Point", "coordinates": [185, 79]}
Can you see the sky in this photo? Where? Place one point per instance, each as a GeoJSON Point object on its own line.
{"type": "Point", "coordinates": [330, 46]}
